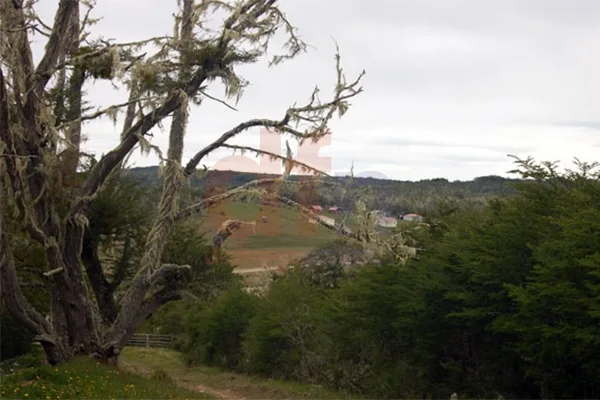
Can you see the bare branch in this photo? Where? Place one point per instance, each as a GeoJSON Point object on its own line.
{"type": "Point", "coordinates": [75, 103]}
{"type": "Point", "coordinates": [44, 25]}
{"type": "Point", "coordinates": [54, 271]}
{"type": "Point", "coordinates": [111, 111]}
{"type": "Point", "coordinates": [167, 269]}
{"type": "Point", "coordinates": [157, 300]}
{"type": "Point", "coordinates": [107, 48]}
{"type": "Point", "coordinates": [206, 203]}
{"type": "Point", "coordinates": [86, 21]}
{"type": "Point", "coordinates": [268, 183]}
{"type": "Point", "coordinates": [41, 32]}
{"type": "Point", "coordinates": [218, 100]}
{"type": "Point", "coordinates": [305, 168]}
{"type": "Point", "coordinates": [150, 273]}
{"type": "Point", "coordinates": [56, 43]}
{"type": "Point", "coordinates": [315, 113]}
{"type": "Point", "coordinates": [13, 20]}
{"type": "Point", "coordinates": [227, 229]}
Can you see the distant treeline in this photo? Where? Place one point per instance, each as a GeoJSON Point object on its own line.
{"type": "Point", "coordinates": [504, 300]}
{"type": "Point", "coordinates": [395, 197]}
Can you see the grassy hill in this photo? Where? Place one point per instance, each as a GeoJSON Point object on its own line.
{"type": "Point", "coordinates": [395, 196]}
{"type": "Point", "coordinates": [284, 236]}
{"type": "Point", "coordinates": [287, 235]}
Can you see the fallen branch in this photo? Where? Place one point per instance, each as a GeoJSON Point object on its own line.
{"type": "Point", "coordinates": [227, 229]}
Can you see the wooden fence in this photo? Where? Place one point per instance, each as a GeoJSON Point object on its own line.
{"type": "Point", "coordinates": [151, 340]}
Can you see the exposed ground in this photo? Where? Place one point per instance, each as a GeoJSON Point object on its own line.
{"type": "Point", "coordinates": [279, 236]}
{"type": "Point", "coordinates": [283, 236]}
{"type": "Point", "coordinates": [214, 382]}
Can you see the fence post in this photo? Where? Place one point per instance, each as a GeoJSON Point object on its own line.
{"type": "Point", "coordinates": [147, 341]}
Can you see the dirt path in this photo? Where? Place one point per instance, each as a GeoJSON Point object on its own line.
{"type": "Point", "coordinates": [265, 257]}
{"type": "Point", "coordinates": [222, 385]}
{"type": "Point", "coordinates": [244, 271]}
{"type": "Point", "coordinates": [183, 382]}
{"type": "Point", "coordinates": [220, 394]}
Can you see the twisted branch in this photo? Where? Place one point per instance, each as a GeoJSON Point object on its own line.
{"type": "Point", "coordinates": [315, 116]}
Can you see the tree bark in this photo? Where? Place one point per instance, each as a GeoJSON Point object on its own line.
{"type": "Point", "coordinates": [128, 319]}
{"type": "Point", "coordinates": [37, 180]}
{"type": "Point", "coordinates": [102, 288]}
{"type": "Point", "coordinates": [74, 97]}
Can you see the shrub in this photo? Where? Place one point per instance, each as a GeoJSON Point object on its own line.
{"type": "Point", "coordinates": [283, 339]}
{"type": "Point", "coordinates": [214, 335]}
{"type": "Point", "coordinates": [84, 378]}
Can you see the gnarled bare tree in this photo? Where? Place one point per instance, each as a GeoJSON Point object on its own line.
{"type": "Point", "coordinates": [42, 109]}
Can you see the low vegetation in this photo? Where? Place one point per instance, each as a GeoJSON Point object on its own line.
{"type": "Point", "coordinates": [502, 300]}
{"type": "Point", "coordinates": [84, 378]}
{"type": "Point", "coordinates": [220, 382]}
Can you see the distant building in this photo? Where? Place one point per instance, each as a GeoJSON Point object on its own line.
{"type": "Point", "coordinates": [387, 222]}
{"type": "Point", "coordinates": [328, 220]}
{"type": "Point", "coordinates": [412, 217]}
{"type": "Point", "coordinates": [316, 208]}
{"type": "Point", "coordinates": [334, 209]}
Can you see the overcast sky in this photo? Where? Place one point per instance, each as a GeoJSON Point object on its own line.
{"type": "Point", "coordinates": [452, 86]}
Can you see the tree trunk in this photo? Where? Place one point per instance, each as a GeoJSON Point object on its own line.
{"type": "Point", "coordinates": [103, 290]}
{"type": "Point", "coordinates": [39, 180]}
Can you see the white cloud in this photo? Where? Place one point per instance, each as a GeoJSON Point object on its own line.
{"type": "Point", "coordinates": [451, 86]}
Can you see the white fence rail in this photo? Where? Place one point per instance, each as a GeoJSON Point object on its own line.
{"type": "Point", "coordinates": [151, 340]}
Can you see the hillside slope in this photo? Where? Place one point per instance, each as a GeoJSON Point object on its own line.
{"type": "Point", "coordinates": [393, 195]}
{"type": "Point", "coordinates": [282, 236]}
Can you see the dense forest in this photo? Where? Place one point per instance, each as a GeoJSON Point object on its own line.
{"type": "Point", "coordinates": [503, 301]}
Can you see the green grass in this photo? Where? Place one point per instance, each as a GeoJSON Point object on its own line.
{"type": "Point", "coordinates": [287, 234]}
{"type": "Point", "coordinates": [287, 229]}
{"type": "Point", "coordinates": [84, 378]}
{"type": "Point", "coordinates": [223, 382]}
